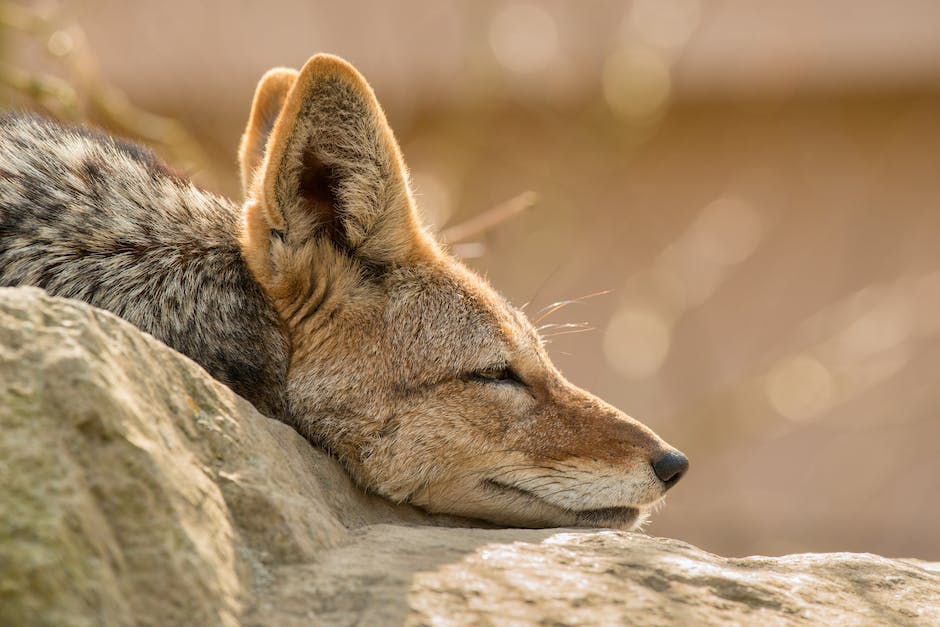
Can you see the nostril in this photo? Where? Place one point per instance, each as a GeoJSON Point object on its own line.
{"type": "Point", "coordinates": [670, 467]}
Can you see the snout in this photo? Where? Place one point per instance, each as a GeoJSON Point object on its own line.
{"type": "Point", "coordinates": [670, 467]}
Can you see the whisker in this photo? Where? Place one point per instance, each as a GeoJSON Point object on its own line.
{"type": "Point", "coordinates": [552, 308]}
{"type": "Point", "coordinates": [568, 325]}
{"type": "Point", "coordinates": [570, 331]}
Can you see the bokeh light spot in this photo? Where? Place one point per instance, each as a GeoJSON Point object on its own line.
{"type": "Point", "coordinates": [727, 232]}
{"type": "Point", "coordinates": [61, 43]}
{"type": "Point", "coordinates": [683, 278]}
{"type": "Point", "coordinates": [524, 38]}
{"type": "Point", "coordinates": [799, 387]}
{"type": "Point", "coordinates": [636, 82]}
{"type": "Point", "coordinates": [888, 323]}
{"type": "Point", "coordinates": [636, 342]}
{"type": "Point", "coordinates": [665, 23]}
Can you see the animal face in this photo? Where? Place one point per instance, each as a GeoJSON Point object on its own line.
{"type": "Point", "coordinates": [421, 379]}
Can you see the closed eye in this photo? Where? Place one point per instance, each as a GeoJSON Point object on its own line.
{"type": "Point", "coordinates": [497, 374]}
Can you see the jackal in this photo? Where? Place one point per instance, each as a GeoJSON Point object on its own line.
{"type": "Point", "coordinates": [324, 302]}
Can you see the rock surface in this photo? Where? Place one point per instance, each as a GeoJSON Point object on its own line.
{"type": "Point", "coordinates": [134, 489]}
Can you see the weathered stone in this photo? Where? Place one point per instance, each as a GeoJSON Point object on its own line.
{"type": "Point", "coordinates": [136, 490]}
{"type": "Point", "coordinates": [134, 486]}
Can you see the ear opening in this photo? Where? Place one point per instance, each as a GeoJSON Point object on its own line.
{"type": "Point", "coordinates": [318, 190]}
{"type": "Point", "coordinates": [333, 169]}
{"type": "Point", "coordinates": [270, 96]}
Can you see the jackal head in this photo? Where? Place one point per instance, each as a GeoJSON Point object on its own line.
{"type": "Point", "coordinates": [427, 385]}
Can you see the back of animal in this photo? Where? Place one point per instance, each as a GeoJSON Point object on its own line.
{"type": "Point", "coordinates": [87, 216]}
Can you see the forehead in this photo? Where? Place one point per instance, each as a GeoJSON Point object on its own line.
{"type": "Point", "coordinates": [450, 307]}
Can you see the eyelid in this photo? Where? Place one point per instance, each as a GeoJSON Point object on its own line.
{"type": "Point", "coordinates": [503, 373]}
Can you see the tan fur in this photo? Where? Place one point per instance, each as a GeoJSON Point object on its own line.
{"type": "Point", "coordinates": [268, 102]}
{"type": "Point", "coordinates": [391, 339]}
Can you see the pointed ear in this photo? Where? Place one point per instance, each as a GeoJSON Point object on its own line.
{"type": "Point", "coordinates": [334, 170]}
{"type": "Point", "coordinates": [270, 96]}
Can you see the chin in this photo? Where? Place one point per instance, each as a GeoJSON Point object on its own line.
{"type": "Point", "coordinates": [623, 518]}
{"type": "Point", "coordinates": [515, 507]}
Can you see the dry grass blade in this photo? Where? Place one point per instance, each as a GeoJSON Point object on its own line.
{"type": "Point", "coordinates": [489, 218]}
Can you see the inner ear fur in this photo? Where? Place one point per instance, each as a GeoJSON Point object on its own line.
{"type": "Point", "coordinates": [269, 99]}
{"type": "Point", "coordinates": [332, 168]}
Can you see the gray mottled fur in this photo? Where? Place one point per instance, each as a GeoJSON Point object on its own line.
{"type": "Point", "coordinates": [85, 216]}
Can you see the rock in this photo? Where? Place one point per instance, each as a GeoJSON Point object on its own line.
{"type": "Point", "coordinates": [134, 489]}
{"type": "Point", "coordinates": [133, 486]}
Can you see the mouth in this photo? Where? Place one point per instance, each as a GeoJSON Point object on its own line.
{"type": "Point", "coordinates": [616, 517]}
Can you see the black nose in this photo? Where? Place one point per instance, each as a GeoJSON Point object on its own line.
{"type": "Point", "coordinates": [670, 467]}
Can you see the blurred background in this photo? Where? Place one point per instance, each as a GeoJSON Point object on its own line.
{"type": "Point", "coordinates": [754, 187]}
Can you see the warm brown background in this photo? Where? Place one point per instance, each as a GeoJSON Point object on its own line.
{"type": "Point", "coordinates": [758, 183]}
